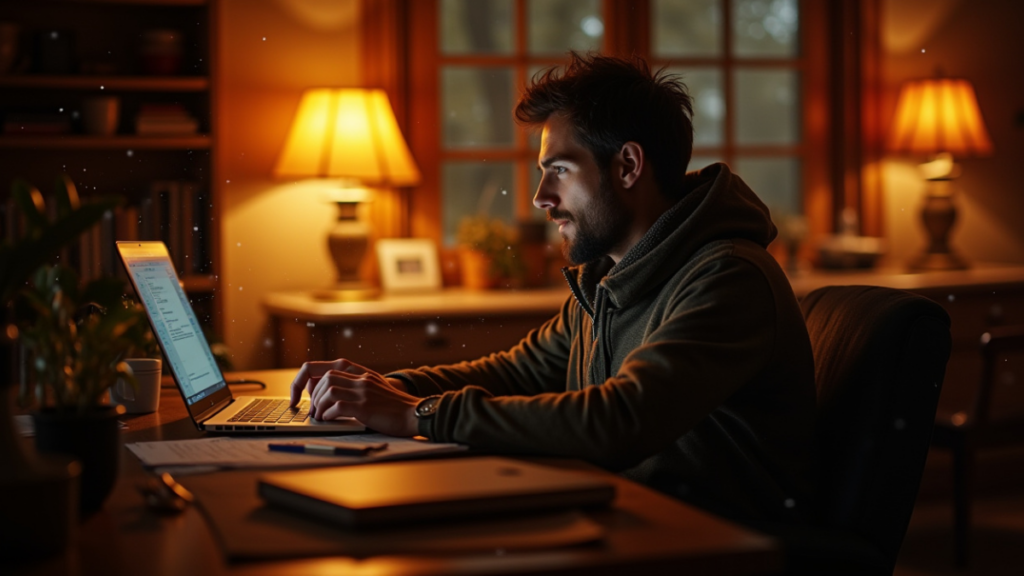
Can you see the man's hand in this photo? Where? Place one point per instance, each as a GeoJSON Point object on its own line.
{"type": "Point", "coordinates": [344, 388]}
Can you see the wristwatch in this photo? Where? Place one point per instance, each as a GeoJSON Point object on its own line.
{"type": "Point", "coordinates": [427, 407]}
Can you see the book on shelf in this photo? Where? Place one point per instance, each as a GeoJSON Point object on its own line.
{"type": "Point", "coordinates": [173, 211]}
{"type": "Point", "coordinates": [165, 119]}
{"type": "Point", "coordinates": [176, 213]}
{"type": "Point", "coordinates": [36, 123]}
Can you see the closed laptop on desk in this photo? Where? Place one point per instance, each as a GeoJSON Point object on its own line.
{"type": "Point", "coordinates": [382, 494]}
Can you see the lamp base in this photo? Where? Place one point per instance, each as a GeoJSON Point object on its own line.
{"type": "Point", "coordinates": [939, 261]}
{"type": "Point", "coordinates": [938, 214]}
{"type": "Point", "coordinates": [347, 292]}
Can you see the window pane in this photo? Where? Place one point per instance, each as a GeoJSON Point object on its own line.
{"type": "Point", "coordinates": [765, 28]}
{"type": "Point", "coordinates": [557, 26]}
{"type": "Point", "coordinates": [766, 106]}
{"type": "Point", "coordinates": [686, 28]}
{"type": "Point", "coordinates": [698, 162]}
{"type": "Point", "coordinates": [477, 107]}
{"type": "Point", "coordinates": [775, 180]}
{"type": "Point", "coordinates": [476, 26]}
{"type": "Point", "coordinates": [533, 135]}
{"type": "Point", "coordinates": [473, 188]}
{"type": "Point", "coordinates": [705, 85]}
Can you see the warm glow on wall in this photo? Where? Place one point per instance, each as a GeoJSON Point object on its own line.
{"type": "Point", "coordinates": [347, 133]}
{"type": "Point", "coordinates": [939, 115]}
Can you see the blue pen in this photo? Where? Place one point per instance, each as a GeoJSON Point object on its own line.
{"type": "Point", "coordinates": [327, 449]}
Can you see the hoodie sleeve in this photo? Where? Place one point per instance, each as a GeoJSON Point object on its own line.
{"type": "Point", "coordinates": [715, 335]}
{"type": "Point", "coordinates": [536, 365]}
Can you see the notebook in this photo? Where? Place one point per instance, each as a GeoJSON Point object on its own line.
{"type": "Point", "coordinates": [209, 400]}
{"type": "Point", "coordinates": [401, 492]}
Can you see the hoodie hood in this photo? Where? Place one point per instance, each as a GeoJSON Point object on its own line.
{"type": "Point", "coordinates": [718, 206]}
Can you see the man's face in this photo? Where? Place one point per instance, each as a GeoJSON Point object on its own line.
{"type": "Point", "coordinates": [591, 216]}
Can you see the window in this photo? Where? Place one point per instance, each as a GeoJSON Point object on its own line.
{"type": "Point", "coordinates": [469, 59]}
{"type": "Point", "coordinates": [741, 62]}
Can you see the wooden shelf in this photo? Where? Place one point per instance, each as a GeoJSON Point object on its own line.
{"type": "Point", "coordinates": [82, 142]}
{"type": "Point", "coordinates": [104, 83]}
{"type": "Point", "coordinates": [198, 284]}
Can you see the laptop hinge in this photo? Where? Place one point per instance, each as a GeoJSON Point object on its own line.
{"type": "Point", "coordinates": [212, 411]}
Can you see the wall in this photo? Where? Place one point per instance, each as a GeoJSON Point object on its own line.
{"type": "Point", "coordinates": [273, 233]}
{"type": "Point", "coordinates": [982, 42]}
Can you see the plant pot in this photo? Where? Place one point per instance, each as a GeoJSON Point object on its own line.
{"type": "Point", "coordinates": [477, 271]}
{"type": "Point", "coordinates": [93, 440]}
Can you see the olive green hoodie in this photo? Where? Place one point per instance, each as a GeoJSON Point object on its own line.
{"type": "Point", "coordinates": [686, 366]}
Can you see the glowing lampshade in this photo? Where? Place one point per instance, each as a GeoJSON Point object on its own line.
{"type": "Point", "coordinates": [939, 118]}
{"type": "Point", "coordinates": [939, 115]}
{"type": "Point", "coordinates": [347, 133]}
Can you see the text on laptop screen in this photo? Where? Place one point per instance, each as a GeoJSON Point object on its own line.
{"type": "Point", "coordinates": [177, 328]}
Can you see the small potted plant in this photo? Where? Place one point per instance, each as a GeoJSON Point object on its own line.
{"type": "Point", "coordinates": [42, 492]}
{"type": "Point", "coordinates": [77, 338]}
{"type": "Point", "coordinates": [488, 253]}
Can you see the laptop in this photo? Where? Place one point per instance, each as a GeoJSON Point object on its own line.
{"type": "Point", "coordinates": [209, 400]}
{"type": "Point", "coordinates": [402, 492]}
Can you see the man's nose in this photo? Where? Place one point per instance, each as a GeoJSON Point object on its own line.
{"type": "Point", "coordinates": [543, 198]}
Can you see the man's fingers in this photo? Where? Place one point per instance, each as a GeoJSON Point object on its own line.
{"type": "Point", "coordinates": [339, 410]}
{"type": "Point", "coordinates": [346, 365]}
{"type": "Point", "coordinates": [329, 381]}
{"type": "Point", "coordinates": [309, 373]}
{"type": "Point", "coordinates": [333, 397]}
{"type": "Point", "coordinates": [299, 383]}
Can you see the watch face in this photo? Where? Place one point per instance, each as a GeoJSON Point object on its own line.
{"type": "Point", "coordinates": [427, 406]}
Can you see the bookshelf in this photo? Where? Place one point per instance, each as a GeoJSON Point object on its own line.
{"type": "Point", "coordinates": [156, 57]}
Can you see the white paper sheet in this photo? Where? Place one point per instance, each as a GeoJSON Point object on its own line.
{"type": "Point", "coordinates": [227, 452]}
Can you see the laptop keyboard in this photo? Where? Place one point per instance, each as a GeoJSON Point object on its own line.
{"type": "Point", "coordinates": [274, 411]}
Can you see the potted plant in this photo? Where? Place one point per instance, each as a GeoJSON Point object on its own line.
{"type": "Point", "coordinates": [77, 338]}
{"type": "Point", "coordinates": [43, 490]}
{"type": "Point", "coordinates": [488, 253]}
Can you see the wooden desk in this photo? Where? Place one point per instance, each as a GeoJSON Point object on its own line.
{"type": "Point", "coordinates": [647, 533]}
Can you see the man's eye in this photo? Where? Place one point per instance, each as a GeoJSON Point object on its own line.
{"type": "Point", "coordinates": [559, 169]}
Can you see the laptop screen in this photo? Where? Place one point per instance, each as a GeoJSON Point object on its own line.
{"type": "Point", "coordinates": [174, 323]}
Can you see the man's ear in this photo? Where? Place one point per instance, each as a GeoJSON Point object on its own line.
{"type": "Point", "coordinates": [630, 164]}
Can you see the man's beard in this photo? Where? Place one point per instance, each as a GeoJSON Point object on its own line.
{"type": "Point", "coordinates": [599, 227]}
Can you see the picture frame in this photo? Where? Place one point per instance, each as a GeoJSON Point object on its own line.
{"type": "Point", "coordinates": [408, 264]}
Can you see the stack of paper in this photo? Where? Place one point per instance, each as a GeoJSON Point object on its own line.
{"type": "Point", "coordinates": [224, 452]}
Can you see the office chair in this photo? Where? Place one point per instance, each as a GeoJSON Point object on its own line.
{"type": "Point", "coordinates": [964, 434]}
{"type": "Point", "coordinates": [879, 359]}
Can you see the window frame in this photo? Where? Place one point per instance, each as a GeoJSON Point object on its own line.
{"type": "Point", "coordinates": [823, 135]}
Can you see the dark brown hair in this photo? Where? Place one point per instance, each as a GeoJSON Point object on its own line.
{"type": "Point", "coordinates": [610, 101]}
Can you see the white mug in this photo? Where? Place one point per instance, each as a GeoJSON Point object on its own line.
{"type": "Point", "coordinates": [145, 397]}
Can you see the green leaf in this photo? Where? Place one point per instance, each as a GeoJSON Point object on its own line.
{"type": "Point", "coordinates": [30, 202]}
{"type": "Point", "coordinates": [67, 196]}
{"type": "Point", "coordinates": [32, 253]}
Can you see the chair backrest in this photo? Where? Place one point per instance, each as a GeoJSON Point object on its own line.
{"type": "Point", "coordinates": [880, 356]}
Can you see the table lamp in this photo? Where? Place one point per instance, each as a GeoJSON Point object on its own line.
{"type": "Point", "coordinates": [939, 119]}
{"type": "Point", "coordinates": [348, 134]}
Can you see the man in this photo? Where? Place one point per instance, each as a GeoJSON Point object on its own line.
{"type": "Point", "coordinates": [681, 358]}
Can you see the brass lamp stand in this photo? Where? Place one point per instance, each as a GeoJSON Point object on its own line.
{"type": "Point", "coordinates": [938, 215]}
{"type": "Point", "coordinates": [348, 241]}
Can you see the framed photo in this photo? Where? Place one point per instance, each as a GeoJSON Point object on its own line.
{"type": "Point", "coordinates": [408, 264]}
